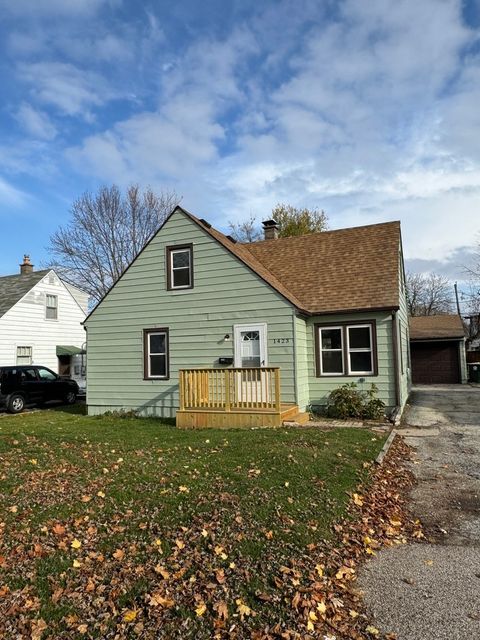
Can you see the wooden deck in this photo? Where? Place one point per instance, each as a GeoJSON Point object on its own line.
{"type": "Point", "coordinates": [232, 398]}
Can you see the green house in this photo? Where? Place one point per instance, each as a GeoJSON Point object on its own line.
{"type": "Point", "coordinates": [219, 333]}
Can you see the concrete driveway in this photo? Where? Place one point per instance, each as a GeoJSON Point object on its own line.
{"type": "Point", "coordinates": [432, 591]}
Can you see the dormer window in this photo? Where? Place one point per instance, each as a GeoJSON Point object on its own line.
{"type": "Point", "coordinates": [180, 267]}
{"type": "Point", "coordinates": [51, 307]}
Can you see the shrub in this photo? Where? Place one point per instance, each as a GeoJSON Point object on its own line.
{"type": "Point", "coordinates": [348, 401]}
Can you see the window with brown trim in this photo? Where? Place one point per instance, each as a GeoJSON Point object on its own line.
{"type": "Point", "coordinates": [331, 351]}
{"type": "Point", "coordinates": [180, 267]}
{"type": "Point", "coordinates": [346, 349]}
{"type": "Point", "coordinates": [155, 354]}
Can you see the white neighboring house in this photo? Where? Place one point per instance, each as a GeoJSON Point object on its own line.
{"type": "Point", "coordinates": [41, 322]}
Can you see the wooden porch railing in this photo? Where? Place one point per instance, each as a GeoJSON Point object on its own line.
{"type": "Point", "coordinates": [230, 389]}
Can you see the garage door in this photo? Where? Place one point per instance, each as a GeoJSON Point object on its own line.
{"type": "Point", "coordinates": [435, 363]}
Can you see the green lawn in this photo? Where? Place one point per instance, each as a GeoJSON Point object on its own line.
{"type": "Point", "coordinates": [129, 526]}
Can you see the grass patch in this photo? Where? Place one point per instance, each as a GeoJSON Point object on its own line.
{"type": "Point", "coordinates": [217, 511]}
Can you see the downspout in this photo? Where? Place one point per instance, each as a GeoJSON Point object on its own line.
{"type": "Point", "coordinates": [396, 412]}
{"type": "Point", "coordinates": [295, 368]}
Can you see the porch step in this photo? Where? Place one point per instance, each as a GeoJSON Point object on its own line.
{"type": "Point", "coordinates": [298, 418]}
{"type": "Point", "coordinates": [287, 411]}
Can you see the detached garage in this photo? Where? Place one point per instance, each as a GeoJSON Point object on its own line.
{"type": "Point", "coordinates": [437, 347]}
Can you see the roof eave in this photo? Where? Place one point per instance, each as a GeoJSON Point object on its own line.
{"type": "Point", "coordinates": [351, 310]}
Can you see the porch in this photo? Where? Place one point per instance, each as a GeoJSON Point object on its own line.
{"type": "Point", "coordinates": [232, 398]}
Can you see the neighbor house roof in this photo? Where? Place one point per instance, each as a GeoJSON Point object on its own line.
{"type": "Point", "coordinates": [13, 288]}
{"type": "Point", "coordinates": [332, 271]}
{"type": "Point", "coordinates": [436, 327]}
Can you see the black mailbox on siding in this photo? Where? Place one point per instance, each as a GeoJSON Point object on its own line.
{"type": "Point", "coordinates": [225, 360]}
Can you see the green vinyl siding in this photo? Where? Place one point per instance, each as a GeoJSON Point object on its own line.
{"type": "Point", "coordinates": [320, 387]}
{"type": "Point", "coordinates": [301, 364]}
{"type": "Point", "coordinates": [225, 292]}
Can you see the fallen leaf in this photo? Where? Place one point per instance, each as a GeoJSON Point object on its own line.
{"type": "Point", "coordinates": [58, 529]}
{"type": "Point", "coordinates": [242, 608]}
{"type": "Point", "coordinates": [129, 615]}
{"type": "Point", "coordinates": [372, 630]}
{"type": "Point", "coordinates": [119, 554]}
{"type": "Point", "coordinates": [157, 599]}
{"type": "Point", "coordinates": [162, 571]}
{"type": "Point", "coordinates": [76, 544]}
{"type": "Point", "coordinates": [200, 610]}
{"type": "Point", "coordinates": [37, 629]}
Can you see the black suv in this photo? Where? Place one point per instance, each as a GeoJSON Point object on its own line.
{"type": "Point", "coordinates": [29, 384]}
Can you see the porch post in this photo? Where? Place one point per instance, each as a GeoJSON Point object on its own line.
{"type": "Point", "coordinates": [227, 390]}
{"type": "Point", "coordinates": [181, 389]}
{"type": "Point", "coordinates": [277, 390]}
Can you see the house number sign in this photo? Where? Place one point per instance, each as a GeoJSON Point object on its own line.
{"type": "Point", "coordinates": [282, 340]}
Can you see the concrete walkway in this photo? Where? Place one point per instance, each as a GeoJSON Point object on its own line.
{"type": "Point", "coordinates": [432, 591]}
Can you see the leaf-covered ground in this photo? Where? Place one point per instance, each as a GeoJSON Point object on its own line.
{"type": "Point", "coordinates": [129, 528]}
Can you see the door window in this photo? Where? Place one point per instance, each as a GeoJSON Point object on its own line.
{"type": "Point", "coordinates": [29, 374]}
{"type": "Point", "coordinates": [250, 348]}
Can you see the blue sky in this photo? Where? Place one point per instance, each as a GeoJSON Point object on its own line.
{"type": "Point", "coordinates": [369, 110]}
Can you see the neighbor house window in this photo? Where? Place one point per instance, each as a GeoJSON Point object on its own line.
{"type": "Point", "coordinates": [51, 307]}
{"type": "Point", "coordinates": [155, 354]}
{"type": "Point", "coordinates": [180, 267]}
{"type": "Point", "coordinates": [24, 355]}
{"type": "Point", "coordinates": [346, 349]}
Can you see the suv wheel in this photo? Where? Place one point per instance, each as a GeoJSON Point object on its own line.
{"type": "Point", "coordinates": [16, 403]}
{"type": "Point", "coordinates": [71, 397]}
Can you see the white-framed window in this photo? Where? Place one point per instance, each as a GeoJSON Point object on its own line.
{"type": "Point", "coordinates": [51, 307]}
{"type": "Point", "coordinates": [360, 349]}
{"type": "Point", "coordinates": [24, 355]}
{"type": "Point", "coordinates": [346, 349]}
{"type": "Point", "coordinates": [180, 267]}
{"type": "Point", "coordinates": [155, 354]}
{"type": "Point", "coordinates": [331, 351]}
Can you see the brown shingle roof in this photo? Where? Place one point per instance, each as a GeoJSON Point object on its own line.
{"type": "Point", "coordinates": [436, 327]}
{"type": "Point", "coordinates": [332, 271]}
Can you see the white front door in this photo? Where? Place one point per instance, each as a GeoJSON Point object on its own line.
{"type": "Point", "coordinates": [250, 353]}
{"type": "Point", "coordinates": [250, 345]}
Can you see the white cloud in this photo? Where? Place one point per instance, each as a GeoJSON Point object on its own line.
{"type": "Point", "coordinates": [10, 195]}
{"type": "Point", "coordinates": [35, 122]}
{"type": "Point", "coordinates": [71, 90]}
{"type": "Point", "coordinates": [179, 139]}
{"type": "Point", "coordinates": [372, 115]}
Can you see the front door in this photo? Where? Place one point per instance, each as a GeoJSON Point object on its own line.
{"type": "Point", "coordinates": [250, 353]}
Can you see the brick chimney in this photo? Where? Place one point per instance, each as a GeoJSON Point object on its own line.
{"type": "Point", "coordinates": [26, 267]}
{"type": "Point", "coordinates": [270, 229]}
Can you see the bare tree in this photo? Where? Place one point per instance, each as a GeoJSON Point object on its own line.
{"type": "Point", "coordinates": [472, 270]}
{"type": "Point", "coordinates": [292, 221]}
{"type": "Point", "coordinates": [246, 231]}
{"type": "Point", "coordinates": [105, 233]}
{"type": "Point", "coordinates": [429, 294]}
